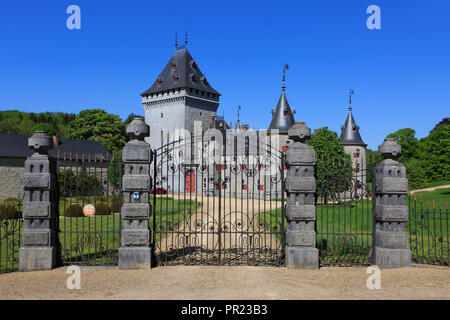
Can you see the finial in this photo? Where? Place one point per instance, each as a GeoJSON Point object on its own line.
{"type": "Point", "coordinates": [352, 92]}
{"type": "Point", "coordinates": [176, 41]}
{"type": "Point", "coordinates": [186, 39]}
{"type": "Point", "coordinates": [285, 67]}
{"type": "Point", "coordinates": [390, 149]}
{"type": "Point", "coordinates": [138, 129]}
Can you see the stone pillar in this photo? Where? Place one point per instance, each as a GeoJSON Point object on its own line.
{"type": "Point", "coordinates": [134, 252]}
{"type": "Point", "coordinates": [391, 212]}
{"type": "Point", "coordinates": [41, 248]}
{"type": "Point", "coordinates": [300, 209]}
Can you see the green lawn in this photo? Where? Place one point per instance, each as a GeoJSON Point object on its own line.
{"type": "Point", "coordinates": [344, 230]}
{"type": "Point", "coordinates": [93, 239]}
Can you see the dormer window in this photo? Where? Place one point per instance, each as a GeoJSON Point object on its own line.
{"type": "Point", "coordinates": [159, 82]}
{"type": "Point", "coordinates": [203, 81]}
{"type": "Point", "coordinates": [193, 78]}
{"type": "Point", "coordinates": [193, 64]}
{"type": "Point", "coordinates": [285, 113]}
{"type": "Point", "coordinates": [175, 78]}
{"type": "Point", "coordinates": [173, 65]}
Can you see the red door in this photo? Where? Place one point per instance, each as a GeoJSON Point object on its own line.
{"type": "Point", "coordinates": [190, 181]}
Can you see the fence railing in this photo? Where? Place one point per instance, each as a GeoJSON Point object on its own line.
{"type": "Point", "coordinates": [429, 233]}
{"type": "Point", "coordinates": [11, 225]}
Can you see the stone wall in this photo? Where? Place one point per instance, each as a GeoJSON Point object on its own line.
{"type": "Point", "coordinates": [11, 171]}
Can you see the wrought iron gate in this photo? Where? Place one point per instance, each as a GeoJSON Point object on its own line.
{"type": "Point", "coordinates": [217, 213]}
{"type": "Point", "coordinates": [344, 212]}
{"type": "Point", "coordinates": [90, 201]}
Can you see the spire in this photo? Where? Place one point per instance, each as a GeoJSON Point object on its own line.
{"type": "Point", "coordinates": [186, 39]}
{"type": "Point", "coordinates": [282, 115]}
{"type": "Point", "coordinates": [176, 41]}
{"type": "Point", "coordinates": [350, 131]}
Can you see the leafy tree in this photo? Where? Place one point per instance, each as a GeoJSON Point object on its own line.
{"type": "Point", "coordinates": [333, 168]}
{"type": "Point", "coordinates": [98, 125]}
{"type": "Point", "coordinates": [410, 145]}
{"type": "Point", "coordinates": [47, 127]}
{"type": "Point", "coordinates": [436, 155]}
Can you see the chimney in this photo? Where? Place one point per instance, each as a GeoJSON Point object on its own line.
{"type": "Point", "coordinates": [56, 141]}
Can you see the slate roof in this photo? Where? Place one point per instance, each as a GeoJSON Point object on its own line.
{"type": "Point", "coordinates": [350, 132]}
{"type": "Point", "coordinates": [16, 146]}
{"type": "Point", "coordinates": [282, 116]}
{"type": "Point", "coordinates": [181, 72]}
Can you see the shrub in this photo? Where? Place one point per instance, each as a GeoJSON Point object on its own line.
{"type": "Point", "coordinates": [75, 210]}
{"type": "Point", "coordinates": [9, 212]}
{"type": "Point", "coordinates": [102, 209]}
{"type": "Point", "coordinates": [116, 204]}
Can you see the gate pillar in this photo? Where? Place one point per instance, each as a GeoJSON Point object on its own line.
{"type": "Point", "coordinates": [390, 210]}
{"type": "Point", "coordinates": [134, 252]}
{"type": "Point", "coordinates": [41, 249]}
{"type": "Point", "coordinates": [300, 209]}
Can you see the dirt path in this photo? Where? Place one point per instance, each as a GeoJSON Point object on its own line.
{"type": "Point", "coordinates": [166, 283]}
{"type": "Point", "coordinates": [431, 189]}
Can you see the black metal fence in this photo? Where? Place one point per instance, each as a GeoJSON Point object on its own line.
{"type": "Point", "coordinates": [209, 213]}
{"type": "Point", "coordinates": [90, 201]}
{"type": "Point", "coordinates": [11, 226]}
{"type": "Point", "coordinates": [344, 212]}
{"type": "Point", "coordinates": [428, 227]}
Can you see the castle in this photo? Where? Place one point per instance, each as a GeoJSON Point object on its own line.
{"type": "Point", "coordinates": [182, 97]}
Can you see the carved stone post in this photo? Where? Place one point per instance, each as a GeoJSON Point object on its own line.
{"type": "Point", "coordinates": [134, 252]}
{"type": "Point", "coordinates": [41, 249]}
{"type": "Point", "coordinates": [391, 212]}
{"type": "Point", "coordinates": [300, 209]}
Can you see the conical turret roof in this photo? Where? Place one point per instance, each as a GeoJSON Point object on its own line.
{"type": "Point", "coordinates": [180, 72]}
{"type": "Point", "coordinates": [282, 115]}
{"type": "Point", "coordinates": [350, 132]}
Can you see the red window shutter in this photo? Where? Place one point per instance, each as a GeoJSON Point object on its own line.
{"type": "Point", "coordinates": [244, 186]}
{"type": "Point", "coordinates": [283, 148]}
{"type": "Point", "coordinates": [260, 187]}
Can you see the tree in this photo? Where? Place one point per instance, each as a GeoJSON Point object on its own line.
{"type": "Point", "coordinates": [116, 169]}
{"type": "Point", "coordinates": [436, 153]}
{"type": "Point", "coordinates": [409, 143]}
{"type": "Point", "coordinates": [46, 127]}
{"type": "Point", "coordinates": [333, 168]}
{"type": "Point", "coordinates": [98, 125]}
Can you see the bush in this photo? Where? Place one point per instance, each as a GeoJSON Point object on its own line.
{"type": "Point", "coordinates": [102, 209]}
{"type": "Point", "coordinates": [116, 203]}
{"type": "Point", "coordinates": [9, 212]}
{"type": "Point", "coordinates": [75, 210]}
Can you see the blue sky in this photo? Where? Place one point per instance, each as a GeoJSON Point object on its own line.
{"type": "Point", "coordinates": [400, 74]}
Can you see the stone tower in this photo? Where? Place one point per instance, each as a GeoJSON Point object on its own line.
{"type": "Point", "coordinates": [282, 116]}
{"type": "Point", "coordinates": [354, 145]}
{"type": "Point", "coordinates": [179, 96]}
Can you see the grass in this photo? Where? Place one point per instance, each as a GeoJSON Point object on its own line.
{"type": "Point", "coordinates": [96, 239]}
{"type": "Point", "coordinates": [344, 230]}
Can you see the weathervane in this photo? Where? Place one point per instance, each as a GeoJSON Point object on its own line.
{"type": "Point", "coordinates": [186, 39]}
{"type": "Point", "coordinates": [285, 67]}
{"type": "Point", "coordinates": [176, 41]}
{"type": "Point", "coordinates": [352, 92]}
{"type": "Point", "coordinates": [238, 121]}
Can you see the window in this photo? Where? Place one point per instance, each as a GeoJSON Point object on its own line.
{"type": "Point", "coordinates": [162, 115]}
{"type": "Point", "coordinates": [285, 113]}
